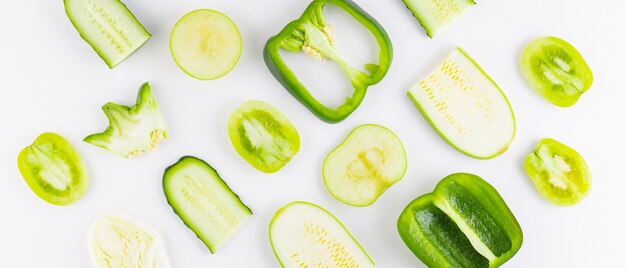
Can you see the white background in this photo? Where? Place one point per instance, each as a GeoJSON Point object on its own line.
{"type": "Point", "coordinates": [50, 80]}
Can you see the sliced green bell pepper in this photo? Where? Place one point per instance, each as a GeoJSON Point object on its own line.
{"type": "Point", "coordinates": [312, 35]}
{"type": "Point", "coordinates": [464, 222]}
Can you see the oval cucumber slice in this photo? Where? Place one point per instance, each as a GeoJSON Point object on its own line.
{"type": "Point", "coordinates": [108, 27]}
{"type": "Point", "coordinates": [466, 107]}
{"type": "Point", "coordinates": [435, 14]}
{"type": "Point", "coordinates": [303, 234]}
{"type": "Point", "coordinates": [117, 240]}
{"type": "Point", "coordinates": [364, 165]}
{"type": "Point", "coordinates": [205, 44]}
{"type": "Point", "coordinates": [203, 201]}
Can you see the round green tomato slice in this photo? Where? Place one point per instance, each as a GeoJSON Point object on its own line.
{"type": "Point", "coordinates": [205, 44]}
{"type": "Point", "coordinates": [364, 165]}
{"type": "Point", "coordinates": [53, 169]}
{"type": "Point", "coordinates": [556, 70]}
{"type": "Point", "coordinates": [560, 174]}
{"type": "Point", "coordinates": [263, 136]}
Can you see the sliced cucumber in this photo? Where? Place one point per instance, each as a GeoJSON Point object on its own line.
{"type": "Point", "coordinates": [303, 234]}
{"type": "Point", "coordinates": [108, 26]}
{"type": "Point", "coordinates": [364, 165]}
{"type": "Point", "coordinates": [203, 201]}
{"type": "Point", "coordinates": [434, 14]}
{"type": "Point", "coordinates": [117, 240]}
{"type": "Point", "coordinates": [205, 44]}
{"type": "Point", "coordinates": [466, 107]}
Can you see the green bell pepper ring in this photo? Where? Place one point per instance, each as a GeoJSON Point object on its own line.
{"type": "Point", "coordinates": [464, 222]}
{"type": "Point", "coordinates": [312, 35]}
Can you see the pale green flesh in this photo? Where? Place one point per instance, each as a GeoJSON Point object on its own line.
{"type": "Point", "coordinates": [205, 44]}
{"type": "Point", "coordinates": [466, 107]}
{"type": "Point", "coordinates": [305, 235]}
{"type": "Point", "coordinates": [435, 14]}
{"type": "Point", "coordinates": [108, 26]}
{"type": "Point", "coordinates": [119, 241]}
{"type": "Point", "coordinates": [364, 165]}
{"type": "Point", "coordinates": [204, 202]}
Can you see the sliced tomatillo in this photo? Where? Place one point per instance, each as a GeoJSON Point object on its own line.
{"type": "Point", "coordinates": [364, 165]}
{"type": "Point", "coordinates": [116, 240]}
{"type": "Point", "coordinates": [132, 130]}
{"type": "Point", "coordinates": [560, 174]}
{"type": "Point", "coordinates": [53, 169]}
{"type": "Point", "coordinates": [263, 136]}
{"type": "Point", "coordinates": [556, 70]}
{"type": "Point", "coordinates": [312, 35]}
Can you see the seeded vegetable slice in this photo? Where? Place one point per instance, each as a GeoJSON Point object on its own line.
{"type": "Point", "coordinates": [108, 27]}
{"type": "Point", "coordinates": [433, 15]}
{"type": "Point", "coordinates": [132, 130]}
{"type": "Point", "coordinates": [559, 172]}
{"type": "Point", "coordinates": [116, 240]}
{"type": "Point", "coordinates": [370, 160]}
{"type": "Point", "coordinates": [204, 201]}
{"type": "Point", "coordinates": [464, 222]}
{"type": "Point", "coordinates": [303, 234]}
{"type": "Point", "coordinates": [556, 70]}
{"type": "Point", "coordinates": [263, 136]}
{"type": "Point", "coordinates": [466, 107]}
{"type": "Point", "coordinates": [205, 44]}
{"type": "Point", "coordinates": [53, 169]}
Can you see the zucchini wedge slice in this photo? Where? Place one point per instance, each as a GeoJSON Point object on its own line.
{"type": "Point", "coordinates": [435, 14]}
{"type": "Point", "coordinates": [108, 27]}
{"type": "Point", "coordinates": [303, 234]}
{"type": "Point", "coordinates": [203, 201]}
{"type": "Point", "coordinates": [466, 107]}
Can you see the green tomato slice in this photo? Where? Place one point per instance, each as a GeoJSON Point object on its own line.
{"type": "Point", "coordinates": [559, 172]}
{"type": "Point", "coordinates": [205, 44]}
{"type": "Point", "coordinates": [556, 70]}
{"type": "Point", "coordinates": [360, 169]}
{"type": "Point", "coordinates": [53, 169]}
{"type": "Point", "coordinates": [263, 136]}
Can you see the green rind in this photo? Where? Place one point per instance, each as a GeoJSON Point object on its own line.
{"type": "Point", "coordinates": [215, 77]}
{"type": "Point", "coordinates": [111, 64]}
{"type": "Point", "coordinates": [281, 71]}
{"type": "Point", "coordinates": [422, 21]}
{"type": "Point", "coordinates": [81, 178]}
{"type": "Point", "coordinates": [324, 176]}
{"type": "Point", "coordinates": [434, 126]}
{"type": "Point", "coordinates": [278, 212]}
{"type": "Point", "coordinates": [175, 206]}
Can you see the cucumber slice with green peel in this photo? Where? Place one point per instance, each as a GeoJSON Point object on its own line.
{"type": "Point", "coordinates": [303, 234]}
{"type": "Point", "coordinates": [364, 165]}
{"type": "Point", "coordinates": [466, 107]}
{"type": "Point", "coordinates": [108, 27]}
{"type": "Point", "coordinates": [117, 240]}
{"type": "Point", "coordinates": [434, 14]}
{"type": "Point", "coordinates": [205, 44]}
{"type": "Point", "coordinates": [203, 201]}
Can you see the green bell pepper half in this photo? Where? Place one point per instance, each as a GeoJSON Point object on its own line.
{"type": "Point", "coordinates": [312, 35]}
{"type": "Point", "coordinates": [464, 222]}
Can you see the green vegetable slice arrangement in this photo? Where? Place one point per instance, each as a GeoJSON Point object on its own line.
{"type": "Point", "coordinates": [108, 27]}
{"type": "Point", "coordinates": [263, 136]}
{"type": "Point", "coordinates": [559, 172]}
{"type": "Point", "coordinates": [53, 170]}
{"type": "Point", "coordinates": [435, 14]}
{"type": "Point", "coordinates": [466, 107]}
{"type": "Point", "coordinates": [132, 130]}
{"type": "Point", "coordinates": [556, 70]}
{"type": "Point", "coordinates": [303, 234]}
{"type": "Point", "coordinates": [312, 35]}
{"type": "Point", "coordinates": [205, 44]}
{"type": "Point", "coordinates": [464, 222]}
{"type": "Point", "coordinates": [117, 240]}
{"type": "Point", "coordinates": [203, 201]}
{"type": "Point", "coordinates": [370, 160]}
